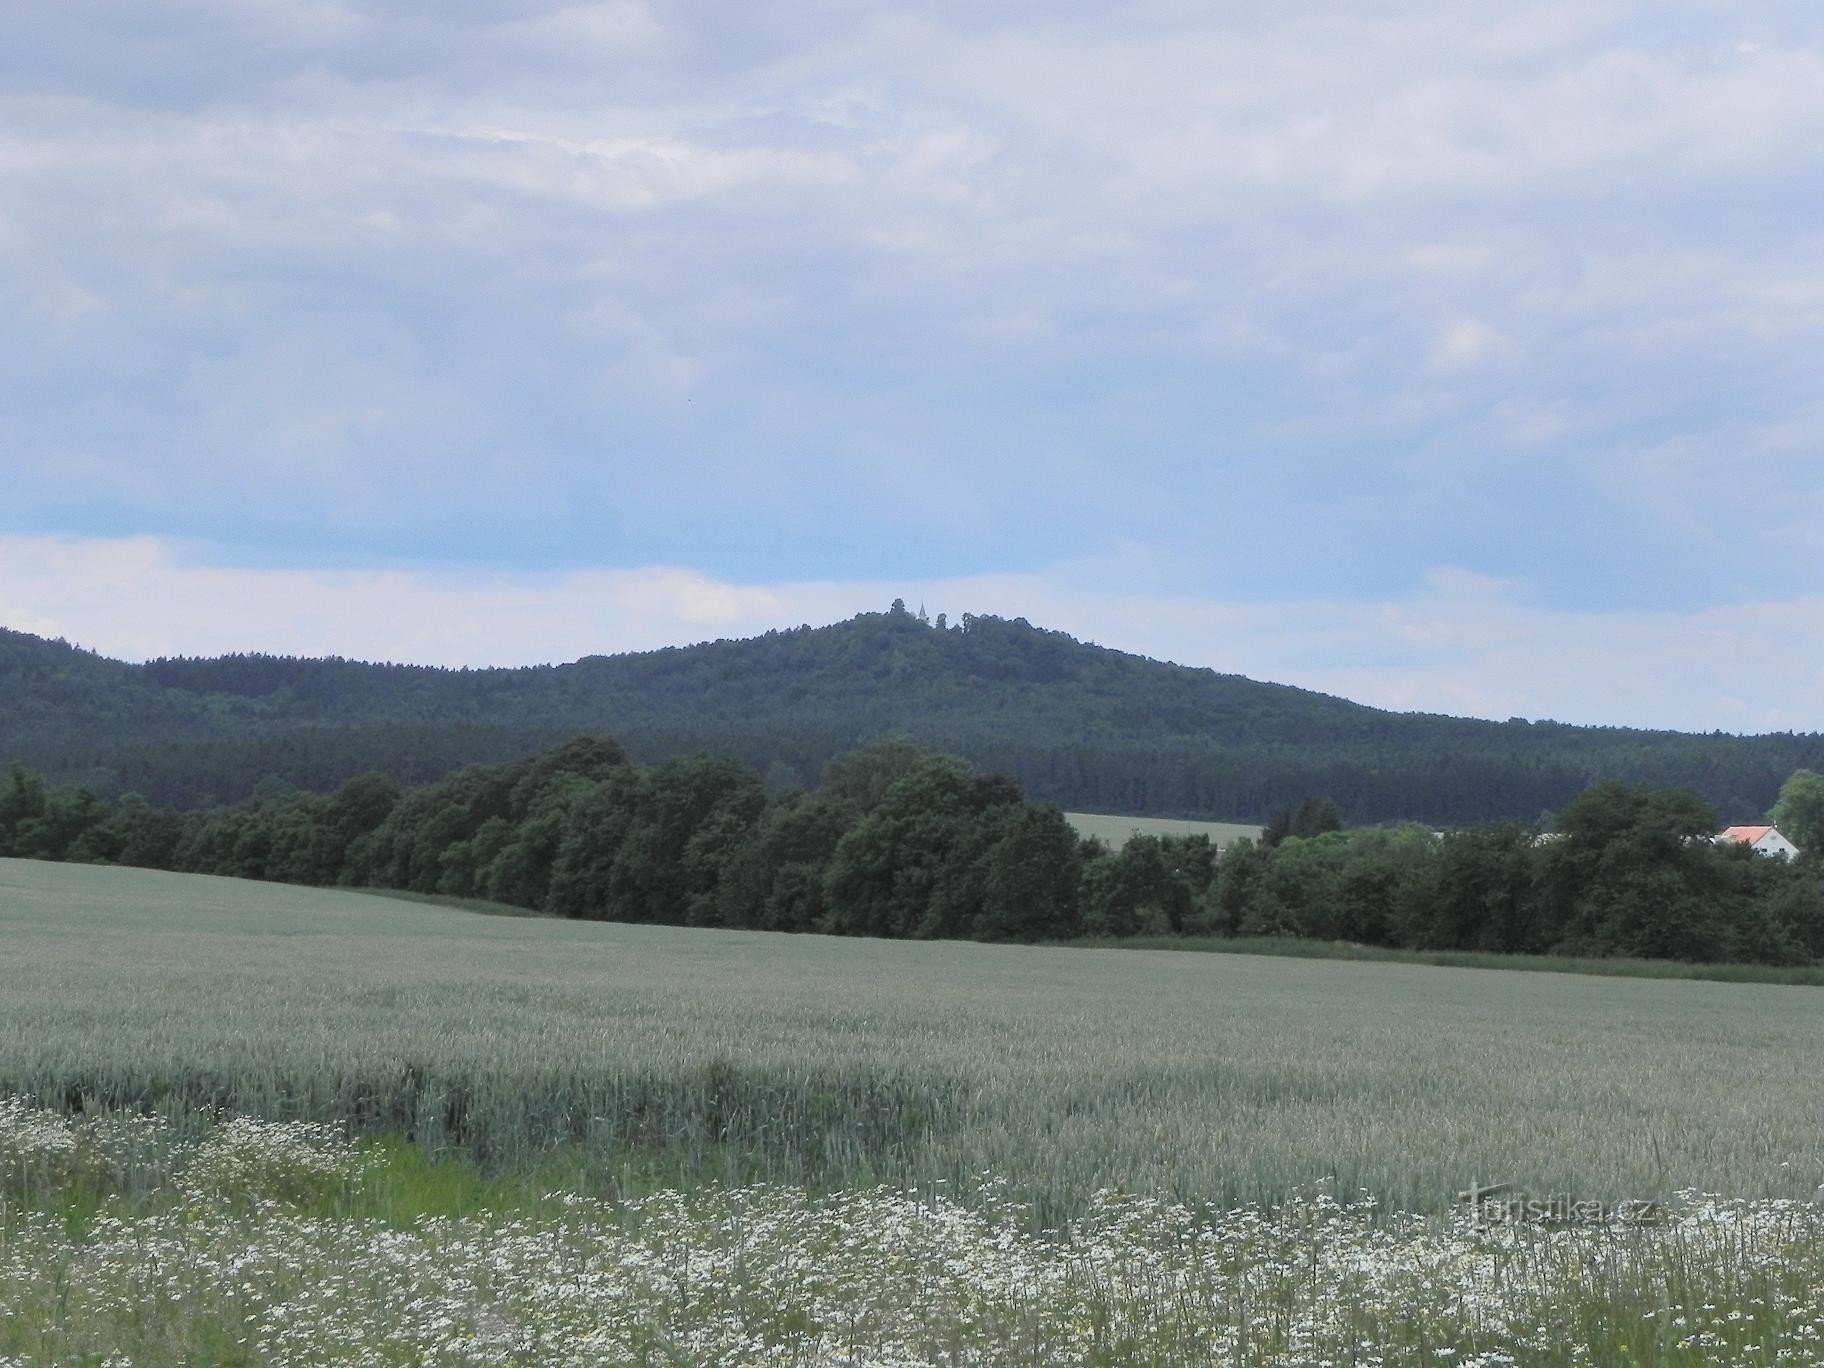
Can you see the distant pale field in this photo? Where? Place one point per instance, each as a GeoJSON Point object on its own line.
{"type": "Point", "coordinates": [842, 1062]}
{"type": "Point", "coordinates": [1115, 830]}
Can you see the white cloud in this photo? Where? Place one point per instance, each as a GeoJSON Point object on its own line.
{"type": "Point", "coordinates": [139, 597]}
{"type": "Point", "coordinates": [1526, 421]}
{"type": "Point", "coordinates": [601, 28]}
{"type": "Point", "coordinates": [800, 291]}
{"type": "Point", "coordinates": [1450, 258]}
{"type": "Point", "coordinates": [1466, 344]}
{"type": "Point", "coordinates": [1462, 643]}
{"type": "Point", "coordinates": [1393, 100]}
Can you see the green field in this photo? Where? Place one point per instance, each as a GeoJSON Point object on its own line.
{"type": "Point", "coordinates": [546, 1143]}
{"type": "Point", "coordinates": [1305, 947]}
{"type": "Point", "coordinates": [665, 1055]}
{"type": "Point", "coordinates": [1114, 830]}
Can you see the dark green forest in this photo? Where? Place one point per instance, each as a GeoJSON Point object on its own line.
{"type": "Point", "coordinates": [1077, 725]}
{"type": "Point", "coordinates": [900, 841]}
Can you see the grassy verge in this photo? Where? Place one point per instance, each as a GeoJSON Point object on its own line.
{"type": "Point", "coordinates": [1292, 947]}
{"type": "Point", "coordinates": [481, 905]}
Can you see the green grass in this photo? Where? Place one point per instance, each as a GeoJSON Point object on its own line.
{"type": "Point", "coordinates": [1293, 947]}
{"type": "Point", "coordinates": [1114, 830]}
{"type": "Point", "coordinates": [653, 1056]}
{"type": "Point", "coordinates": [482, 905]}
{"type": "Point", "coordinates": [588, 1142]}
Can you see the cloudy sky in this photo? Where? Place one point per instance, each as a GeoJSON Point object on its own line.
{"type": "Point", "coordinates": [1459, 357]}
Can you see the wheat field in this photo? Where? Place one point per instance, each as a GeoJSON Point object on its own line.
{"type": "Point", "coordinates": [1113, 830]}
{"type": "Point", "coordinates": [667, 1056]}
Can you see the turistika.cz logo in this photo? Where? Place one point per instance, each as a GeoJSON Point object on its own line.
{"type": "Point", "coordinates": [1504, 1204]}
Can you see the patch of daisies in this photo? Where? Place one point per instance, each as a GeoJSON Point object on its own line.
{"type": "Point", "coordinates": [241, 1265]}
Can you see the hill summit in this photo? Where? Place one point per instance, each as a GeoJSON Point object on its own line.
{"type": "Point", "coordinates": [1077, 724]}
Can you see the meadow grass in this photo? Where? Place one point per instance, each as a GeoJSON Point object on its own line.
{"type": "Point", "coordinates": [1804, 975]}
{"type": "Point", "coordinates": [521, 1141]}
{"type": "Point", "coordinates": [239, 1242]}
{"type": "Point", "coordinates": [1113, 830]}
{"type": "Point", "coordinates": [644, 1058]}
{"type": "Point", "coordinates": [487, 907]}
{"type": "Point", "coordinates": [1301, 947]}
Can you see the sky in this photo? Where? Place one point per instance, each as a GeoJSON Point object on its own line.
{"type": "Point", "coordinates": [1462, 358]}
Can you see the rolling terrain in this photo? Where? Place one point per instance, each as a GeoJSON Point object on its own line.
{"type": "Point", "coordinates": [837, 1063]}
{"type": "Point", "coordinates": [253, 1124]}
{"type": "Point", "coordinates": [1080, 725]}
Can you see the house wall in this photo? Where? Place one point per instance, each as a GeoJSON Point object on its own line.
{"type": "Point", "coordinates": [1775, 844]}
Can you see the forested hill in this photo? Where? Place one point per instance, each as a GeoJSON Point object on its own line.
{"type": "Point", "coordinates": [1076, 724]}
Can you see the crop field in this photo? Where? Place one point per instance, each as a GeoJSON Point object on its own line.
{"type": "Point", "coordinates": [1114, 830]}
{"type": "Point", "coordinates": [253, 1124]}
{"type": "Point", "coordinates": [659, 1055]}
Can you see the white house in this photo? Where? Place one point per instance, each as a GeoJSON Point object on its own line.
{"type": "Point", "coordinates": [1765, 840]}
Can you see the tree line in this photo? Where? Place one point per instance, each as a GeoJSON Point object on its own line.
{"type": "Point", "coordinates": [1075, 724]}
{"type": "Point", "coordinates": [900, 841]}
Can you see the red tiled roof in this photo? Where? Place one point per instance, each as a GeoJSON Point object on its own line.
{"type": "Point", "coordinates": [1748, 835]}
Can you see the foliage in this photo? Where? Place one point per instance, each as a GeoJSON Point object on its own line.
{"type": "Point", "coordinates": [1799, 813]}
{"type": "Point", "coordinates": [1312, 817]}
{"type": "Point", "coordinates": [903, 842]}
{"type": "Point", "coordinates": [899, 842]}
{"type": "Point", "coordinates": [1075, 724]}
